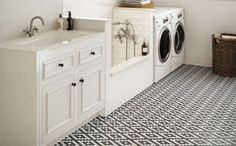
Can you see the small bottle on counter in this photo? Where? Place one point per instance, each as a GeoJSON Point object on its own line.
{"type": "Point", "coordinates": [69, 21]}
{"type": "Point", "coordinates": [60, 23]}
{"type": "Point", "coordinates": [144, 48]}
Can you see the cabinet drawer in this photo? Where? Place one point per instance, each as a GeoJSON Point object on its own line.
{"type": "Point", "coordinates": [90, 53]}
{"type": "Point", "coordinates": [58, 65]}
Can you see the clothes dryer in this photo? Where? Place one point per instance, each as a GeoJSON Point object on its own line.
{"type": "Point", "coordinates": [178, 39]}
{"type": "Point", "coordinates": [162, 45]}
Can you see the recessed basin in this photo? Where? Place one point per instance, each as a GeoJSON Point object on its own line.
{"type": "Point", "coordinates": [41, 41]}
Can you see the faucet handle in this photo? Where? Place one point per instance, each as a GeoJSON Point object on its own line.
{"type": "Point", "coordinates": [26, 30]}
{"type": "Point", "coordinates": [35, 29]}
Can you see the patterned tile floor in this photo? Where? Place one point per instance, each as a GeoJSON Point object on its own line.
{"type": "Point", "coordinates": [191, 106]}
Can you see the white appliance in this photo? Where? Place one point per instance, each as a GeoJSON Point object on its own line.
{"type": "Point", "coordinates": [162, 45]}
{"type": "Point", "coordinates": [178, 38]}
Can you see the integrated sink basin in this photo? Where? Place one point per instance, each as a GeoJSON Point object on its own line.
{"type": "Point", "coordinates": [51, 39]}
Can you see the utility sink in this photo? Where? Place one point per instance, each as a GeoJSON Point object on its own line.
{"type": "Point", "coordinates": [52, 39]}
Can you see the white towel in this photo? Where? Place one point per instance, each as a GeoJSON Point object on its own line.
{"type": "Point", "coordinates": [228, 37]}
{"type": "Point", "coordinates": [138, 1]}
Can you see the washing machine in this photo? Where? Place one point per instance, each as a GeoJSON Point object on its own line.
{"type": "Point", "coordinates": [162, 45]}
{"type": "Point", "coordinates": [178, 38]}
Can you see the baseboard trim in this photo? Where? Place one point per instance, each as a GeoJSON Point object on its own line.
{"type": "Point", "coordinates": [197, 61]}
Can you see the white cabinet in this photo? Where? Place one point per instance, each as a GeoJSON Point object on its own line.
{"type": "Point", "coordinates": [58, 107]}
{"type": "Point", "coordinates": [72, 83]}
{"type": "Point", "coordinates": [42, 91]}
{"type": "Point", "coordinates": [90, 92]}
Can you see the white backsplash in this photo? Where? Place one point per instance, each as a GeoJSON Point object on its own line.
{"type": "Point", "coordinates": [141, 22]}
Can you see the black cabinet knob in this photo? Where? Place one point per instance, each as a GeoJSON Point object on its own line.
{"type": "Point", "coordinates": [73, 84]}
{"type": "Point", "coordinates": [81, 80]}
{"type": "Point", "coordinates": [92, 53]}
{"type": "Point", "coordinates": [165, 20]}
{"type": "Point", "coordinates": [180, 15]}
{"type": "Point", "coordinates": [61, 65]}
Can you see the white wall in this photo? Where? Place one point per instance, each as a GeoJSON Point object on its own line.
{"type": "Point", "coordinates": [15, 15]}
{"type": "Point", "coordinates": [203, 18]}
{"type": "Point", "coordinates": [89, 8]}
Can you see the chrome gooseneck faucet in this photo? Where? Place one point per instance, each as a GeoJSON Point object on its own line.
{"type": "Point", "coordinates": [33, 29]}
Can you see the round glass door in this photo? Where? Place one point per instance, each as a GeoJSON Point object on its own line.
{"type": "Point", "coordinates": [179, 38]}
{"type": "Point", "coordinates": [164, 45]}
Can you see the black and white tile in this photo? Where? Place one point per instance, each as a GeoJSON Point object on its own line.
{"type": "Point", "coordinates": [191, 106]}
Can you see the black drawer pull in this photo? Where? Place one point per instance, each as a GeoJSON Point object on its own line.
{"type": "Point", "coordinates": [61, 65]}
{"type": "Point", "coordinates": [73, 84]}
{"type": "Point", "coordinates": [81, 80]}
{"type": "Point", "coordinates": [92, 53]}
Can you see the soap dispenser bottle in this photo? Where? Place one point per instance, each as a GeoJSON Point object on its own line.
{"type": "Point", "coordinates": [144, 48]}
{"type": "Point", "coordinates": [60, 23]}
{"type": "Point", "coordinates": [69, 21]}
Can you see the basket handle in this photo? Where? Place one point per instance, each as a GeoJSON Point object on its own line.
{"type": "Point", "coordinates": [214, 41]}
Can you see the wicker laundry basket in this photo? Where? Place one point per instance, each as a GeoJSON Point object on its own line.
{"type": "Point", "coordinates": [224, 55]}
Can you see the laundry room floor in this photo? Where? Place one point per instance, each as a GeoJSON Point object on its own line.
{"type": "Point", "coordinates": [191, 106]}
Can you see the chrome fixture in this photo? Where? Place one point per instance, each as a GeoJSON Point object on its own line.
{"type": "Point", "coordinates": [126, 33]}
{"type": "Point", "coordinates": [33, 29]}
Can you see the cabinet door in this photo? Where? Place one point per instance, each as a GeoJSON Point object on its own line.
{"type": "Point", "coordinates": [58, 109]}
{"type": "Point", "coordinates": [91, 92]}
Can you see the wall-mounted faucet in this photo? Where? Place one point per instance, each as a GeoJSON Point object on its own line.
{"type": "Point", "coordinates": [33, 29]}
{"type": "Point", "coordinates": [126, 33]}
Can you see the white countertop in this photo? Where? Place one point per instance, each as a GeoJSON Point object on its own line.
{"type": "Point", "coordinates": [48, 40]}
{"type": "Point", "coordinates": [155, 11]}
